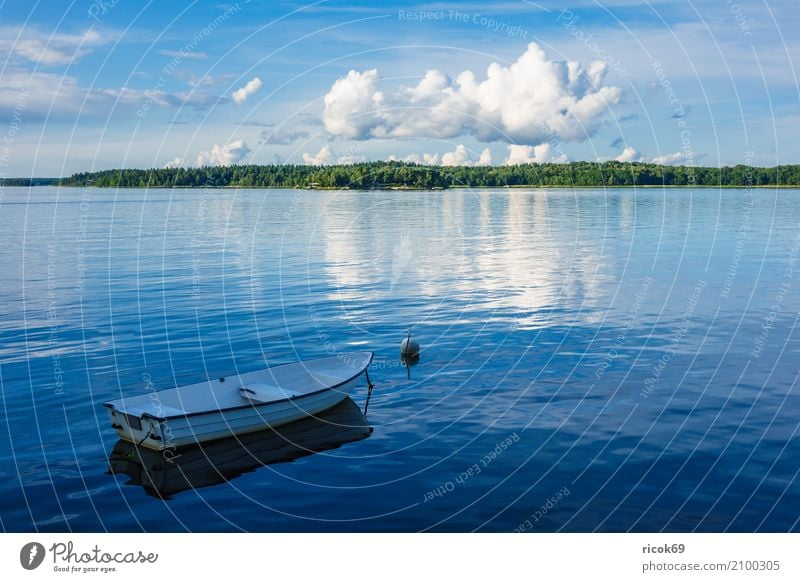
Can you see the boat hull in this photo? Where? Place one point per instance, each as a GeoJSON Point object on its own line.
{"type": "Point", "coordinates": [191, 429]}
{"type": "Point", "coordinates": [166, 473]}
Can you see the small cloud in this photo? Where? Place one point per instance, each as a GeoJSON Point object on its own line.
{"type": "Point", "coordinates": [419, 159]}
{"type": "Point", "coordinates": [617, 142]}
{"type": "Point", "coordinates": [48, 49]}
{"type": "Point", "coordinates": [227, 155]}
{"type": "Point", "coordinates": [628, 117]}
{"type": "Point", "coordinates": [176, 163]}
{"type": "Point", "coordinates": [189, 55]}
{"type": "Point", "coordinates": [59, 96]}
{"type": "Point", "coordinates": [539, 154]}
{"type": "Point", "coordinates": [322, 158]}
{"type": "Point", "coordinates": [240, 95]}
{"type": "Point", "coordinates": [327, 157]}
{"type": "Point", "coordinates": [281, 136]}
{"type": "Point", "coordinates": [460, 157]}
{"type": "Point", "coordinates": [629, 154]}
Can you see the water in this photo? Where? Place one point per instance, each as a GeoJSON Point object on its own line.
{"type": "Point", "coordinates": [592, 361]}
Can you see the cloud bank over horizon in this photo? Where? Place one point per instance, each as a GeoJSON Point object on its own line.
{"type": "Point", "coordinates": [229, 154]}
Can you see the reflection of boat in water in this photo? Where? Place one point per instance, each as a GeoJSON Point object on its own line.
{"type": "Point", "coordinates": [165, 473]}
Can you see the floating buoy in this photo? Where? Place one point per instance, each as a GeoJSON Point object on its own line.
{"type": "Point", "coordinates": [409, 348]}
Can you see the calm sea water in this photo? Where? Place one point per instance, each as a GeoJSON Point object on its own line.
{"type": "Point", "coordinates": [592, 361]}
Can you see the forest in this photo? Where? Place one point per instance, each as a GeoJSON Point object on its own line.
{"type": "Point", "coordinates": [382, 175]}
{"type": "Point", "coordinates": [29, 181]}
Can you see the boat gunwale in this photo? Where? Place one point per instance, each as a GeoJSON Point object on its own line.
{"type": "Point", "coordinates": [110, 405]}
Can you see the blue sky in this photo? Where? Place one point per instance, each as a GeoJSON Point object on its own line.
{"type": "Point", "coordinates": [105, 84]}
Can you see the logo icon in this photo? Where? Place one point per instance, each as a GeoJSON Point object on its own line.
{"type": "Point", "coordinates": [31, 555]}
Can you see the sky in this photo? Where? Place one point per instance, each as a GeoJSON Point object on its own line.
{"type": "Point", "coordinates": [88, 86]}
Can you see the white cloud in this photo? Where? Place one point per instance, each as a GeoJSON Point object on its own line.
{"type": "Point", "coordinates": [326, 157]}
{"type": "Point", "coordinates": [420, 159]}
{"type": "Point", "coordinates": [176, 163]}
{"type": "Point", "coordinates": [190, 55]}
{"type": "Point", "coordinates": [629, 154]}
{"type": "Point", "coordinates": [240, 95]}
{"type": "Point", "coordinates": [530, 101]}
{"type": "Point", "coordinates": [429, 159]}
{"type": "Point", "coordinates": [540, 154]}
{"type": "Point", "coordinates": [227, 155]}
{"type": "Point", "coordinates": [349, 104]}
{"type": "Point", "coordinates": [48, 49]}
{"type": "Point", "coordinates": [455, 158]}
{"type": "Point", "coordinates": [321, 158]}
{"type": "Point", "coordinates": [677, 159]}
{"type": "Point", "coordinates": [42, 93]}
{"type": "Point", "coordinates": [460, 157]}
{"type": "Point", "coordinates": [57, 96]}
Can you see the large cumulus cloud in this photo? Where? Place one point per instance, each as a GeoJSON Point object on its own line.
{"type": "Point", "coordinates": [531, 101]}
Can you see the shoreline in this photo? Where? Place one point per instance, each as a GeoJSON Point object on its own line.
{"type": "Point", "coordinates": [406, 176]}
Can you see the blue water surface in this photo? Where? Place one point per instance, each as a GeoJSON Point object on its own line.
{"type": "Point", "coordinates": [621, 360]}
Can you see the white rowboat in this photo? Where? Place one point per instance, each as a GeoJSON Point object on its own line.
{"type": "Point", "coordinates": [238, 404]}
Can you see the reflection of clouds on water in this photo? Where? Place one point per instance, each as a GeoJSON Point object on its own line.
{"type": "Point", "coordinates": [379, 245]}
{"type": "Point", "coordinates": [345, 229]}
{"type": "Point", "coordinates": [488, 249]}
{"type": "Point", "coordinates": [402, 255]}
{"type": "Point", "coordinates": [532, 264]}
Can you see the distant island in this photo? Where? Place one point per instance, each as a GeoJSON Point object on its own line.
{"type": "Point", "coordinates": [401, 175]}
{"type": "Point", "coordinates": [30, 181]}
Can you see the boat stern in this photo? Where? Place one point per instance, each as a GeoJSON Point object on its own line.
{"type": "Point", "coordinates": [144, 430]}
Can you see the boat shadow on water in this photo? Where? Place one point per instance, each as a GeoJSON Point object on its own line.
{"type": "Point", "coordinates": [168, 472]}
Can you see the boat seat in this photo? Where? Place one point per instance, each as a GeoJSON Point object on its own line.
{"type": "Point", "coordinates": [259, 392]}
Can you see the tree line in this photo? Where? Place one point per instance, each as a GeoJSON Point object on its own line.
{"type": "Point", "coordinates": [29, 181]}
{"type": "Point", "coordinates": [376, 175]}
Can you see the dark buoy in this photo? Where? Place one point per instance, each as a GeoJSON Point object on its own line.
{"type": "Point", "coordinates": [409, 348]}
